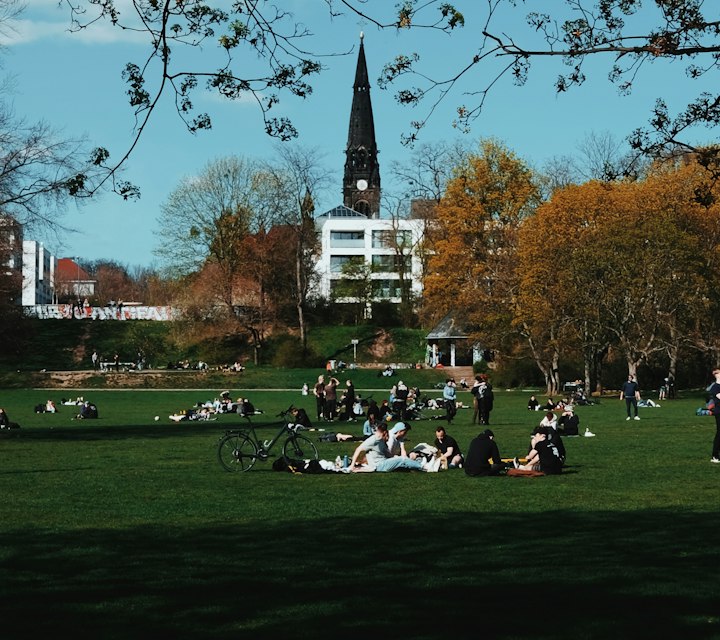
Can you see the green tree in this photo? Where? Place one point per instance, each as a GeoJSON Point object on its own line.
{"type": "Point", "coordinates": [207, 216]}
{"type": "Point", "coordinates": [355, 287]}
{"type": "Point", "coordinates": [295, 179]}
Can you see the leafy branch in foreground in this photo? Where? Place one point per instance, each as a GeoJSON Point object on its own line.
{"type": "Point", "coordinates": [252, 50]}
{"type": "Point", "coordinates": [631, 33]}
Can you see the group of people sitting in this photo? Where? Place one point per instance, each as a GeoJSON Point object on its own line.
{"type": "Point", "coordinates": [47, 407]}
{"type": "Point", "coordinates": [210, 408]}
{"type": "Point", "coordinates": [384, 449]}
{"type": "Point", "coordinates": [546, 452]}
{"type": "Point", "coordinates": [550, 404]}
{"type": "Point", "coordinates": [235, 367]}
{"type": "Point", "coordinates": [546, 455]}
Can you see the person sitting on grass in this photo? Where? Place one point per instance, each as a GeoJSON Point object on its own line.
{"type": "Point", "coordinates": [396, 439]}
{"type": "Point", "coordinates": [544, 454]}
{"type": "Point", "coordinates": [370, 425]}
{"type": "Point", "coordinates": [550, 420]}
{"type": "Point", "coordinates": [483, 456]}
{"type": "Point", "coordinates": [569, 423]}
{"type": "Point", "coordinates": [301, 417]}
{"type": "Point", "coordinates": [244, 407]}
{"type": "Point", "coordinates": [449, 449]}
{"type": "Point", "coordinates": [533, 404]}
{"type": "Point", "coordinates": [379, 458]}
{"type": "Point", "coordinates": [88, 411]}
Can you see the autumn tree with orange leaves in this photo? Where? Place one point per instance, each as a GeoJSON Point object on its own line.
{"type": "Point", "coordinates": [622, 265]}
{"type": "Point", "coordinates": [472, 266]}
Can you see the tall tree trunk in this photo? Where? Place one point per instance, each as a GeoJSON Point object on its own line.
{"type": "Point", "coordinates": [300, 296]}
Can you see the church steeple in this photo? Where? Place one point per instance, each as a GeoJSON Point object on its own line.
{"type": "Point", "coordinates": [361, 183]}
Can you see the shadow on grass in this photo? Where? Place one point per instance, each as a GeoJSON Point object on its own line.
{"type": "Point", "coordinates": [573, 575]}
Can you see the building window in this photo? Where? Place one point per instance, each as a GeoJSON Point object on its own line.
{"type": "Point", "coordinates": [338, 262]}
{"type": "Point", "coordinates": [391, 238]}
{"type": "Point", "coordinates": [347, 239]}
{"type": "Point", "coordinates": [384, 289]}
{"type": "Point", "coordinates": [390, 263]}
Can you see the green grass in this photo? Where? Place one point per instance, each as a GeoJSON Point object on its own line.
{"type": "Point", "coordinates": [126, 527]}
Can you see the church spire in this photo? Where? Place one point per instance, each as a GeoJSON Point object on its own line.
{"type": "Point", "coordinates": [361, 182]}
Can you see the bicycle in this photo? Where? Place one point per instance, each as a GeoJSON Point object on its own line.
{"type": "Point", "coordinates": [240, 449]}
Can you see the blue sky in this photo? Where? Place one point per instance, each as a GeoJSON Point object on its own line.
{"type": "Point", "coordinates": [73, 82]}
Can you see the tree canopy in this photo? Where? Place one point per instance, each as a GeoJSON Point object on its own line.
{"type": "Point", "coordinates": [264, 51]}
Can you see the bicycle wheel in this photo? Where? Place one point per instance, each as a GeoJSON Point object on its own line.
{"type": "Point", "coordinates": [236, 452]}
{"type": "Point", "coordinates": [299, 448]}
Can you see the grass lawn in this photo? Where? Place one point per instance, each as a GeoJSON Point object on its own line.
{"type": "Point", "coordinates": [126, 527]}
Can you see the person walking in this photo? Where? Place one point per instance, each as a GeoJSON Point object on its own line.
{"type": "Point", "coordinates": [630, 392]}
{"type": "Point", "coordinates": [450, 399]}
{"type": "Point", "coordinates": [715, 396]}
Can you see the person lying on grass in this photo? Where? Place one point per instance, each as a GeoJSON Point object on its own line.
{"type": "Point", "coordinates": [193, 414]}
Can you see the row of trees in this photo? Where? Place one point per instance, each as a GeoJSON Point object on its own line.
{"type": "Point", "coordinates": [115, 281]}
{"type": "Point", "coordinates": [627, 267]}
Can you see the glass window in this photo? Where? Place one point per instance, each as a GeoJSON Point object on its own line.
{"type": "Point", "coordinates": [391, 238]}
{"type": "Point", "coordinates": [390, 263]}
{"type": "Point", "coordinates": [384, 289]}
{"type": "Point", "coordinates": [339, 239]}
{"type": "Point", "coordinates": [338, 262]}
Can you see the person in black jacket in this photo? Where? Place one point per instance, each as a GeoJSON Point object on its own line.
{"type": "Point", "coordinates": [449, 448]}
{"type": "Point", "coordinates": [544, 455]}
{"type": "Point", "coordinates": [485, 398]}
{"type": "Point", "coordinates": [482, 450]}
{"type": "Point", "coordinates": [569, 423]}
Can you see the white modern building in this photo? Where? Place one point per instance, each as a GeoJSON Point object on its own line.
{"type": "Point", "coordinates": [39, 267]}
{"type": "Point", "coordinates": [385, 245]}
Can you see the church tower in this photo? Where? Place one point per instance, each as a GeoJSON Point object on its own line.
{"type": "Point", "coordinates": [361, 182]}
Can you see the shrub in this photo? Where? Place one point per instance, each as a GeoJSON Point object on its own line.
{"type": "Point", "coordinates": [287, 352]}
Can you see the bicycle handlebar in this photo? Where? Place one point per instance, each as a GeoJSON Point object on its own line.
{"type": "Point", "coordinates": [282, 414]}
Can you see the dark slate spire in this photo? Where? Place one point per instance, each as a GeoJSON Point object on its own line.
{"type": "Point", "coordinates": [361, 183]}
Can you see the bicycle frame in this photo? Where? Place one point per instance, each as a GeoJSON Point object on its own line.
{"type": "Point", "coordinates": [265, 446]}
{"type": "Point", "coordinates": [239, 449]}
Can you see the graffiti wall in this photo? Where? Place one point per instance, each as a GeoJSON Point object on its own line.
{"type": "Point", "coordinates": [69, 311]}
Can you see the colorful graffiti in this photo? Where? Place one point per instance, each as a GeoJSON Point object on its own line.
{"type": "Point", "coordinates": [69, 311]}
